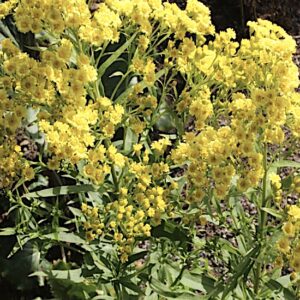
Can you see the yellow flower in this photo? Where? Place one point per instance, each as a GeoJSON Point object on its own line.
{"type": "Point", "coordinates": [296, 184]}
{"type": "Point", "coordinates": [289, 229]}
{"type": "Point", "coordinates": [20, 111]}
{"type": "Point", "coordinates": [160, 146]}
{"type": "Point", "coordinates": [278, 263]}
{"type": "Point", "coordinates": [28, 173]}
{"type": "Point", "coordinates": [53, 163]}
{"type": "Point", "coordinates": [295, 263]}
{"type": "Point", "coordinates": [283, 245]}
{"type": "Point", "coordinates": [137, 149]}
{"type": "Point", "coordinates": [90, 236]}
{"type": "Point", "coordinates": [294, 211]}
{"type": "Point", "coordinates": [112, 224]}
{"type": "Point", "coordinates": [17, 148]}
{"type": "Point", "coordinates": [84, 207]}
{"type": "Point", "coordinates": [12, 122]}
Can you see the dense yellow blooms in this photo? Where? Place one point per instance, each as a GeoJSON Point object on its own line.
{"type": "Point", "coordinates": [289, 244]}
{"type": "Point", "coordinates": [6, 7]}
{"type": "Point", "coordinates": [238, 97]}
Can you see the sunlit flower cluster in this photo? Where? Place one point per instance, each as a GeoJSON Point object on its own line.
{"type": "Point", "coordinates": [289, 244]}
{"type": "Point", "coordinates": [236, 100]}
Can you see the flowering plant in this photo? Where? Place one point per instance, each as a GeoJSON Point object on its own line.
{"type": "Point", "coordinates": [127, 130]}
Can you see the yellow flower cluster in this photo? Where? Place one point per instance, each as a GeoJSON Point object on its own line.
{"type": "Point", "coordinates": [237, 96]}
{"type": "Point", "coordinates": [69, 140]}
{"type": "Point", "coordinates": [296, 184]}
{"type": "Point", "coordinates": [96, 168]}
{"type": "Point", "coordinates": [102, 27]}
{"type": "Point", "coordinates": [289, 244]}
{"type": "Point", "coordinates": [195, 19]}
{"type": "Point", "coordinates": [201, 107]}
{"type": "Point", "coordinates": [276, 184]}
{"type": "Point", "coordinates": [129, 214]}
{"type": "Point", "coordinates": [109, 116]}
{"type": "Point", "coordinates": [255, 97]}
{"type": "Point", "coordinates": [6, 7]}
{"type": "Point", "coordinates": [92, 225]}
{"type": "Point", "coordinates": [54, 15]}
{"type": "Point", "coordinates": [160, 146]}
{"type": "Point", "coordinates": [11, 163]}
{"type": "Point", "coordinates": [208, 155]}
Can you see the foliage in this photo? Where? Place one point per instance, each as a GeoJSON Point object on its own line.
{"type": "Point", "coordinates": [128, 130]}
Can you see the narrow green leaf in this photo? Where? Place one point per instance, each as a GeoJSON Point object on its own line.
{"type": "Point", "coordinates": [67, 237]}
{"type": "Point", "coordinates": [142, 84]}
{"type": "Point", "coordinates": [38, 273]}
{"type": "Point", "coordinates": [286, 163]}
{"type": "Point", "coordinates": [61, 190]}
{"type": "Point", "coordinates": [242, 268]}
{"type": "Point", "coordinates": [103, 297]}
{"type": "Point", "coordinates": [8, 231]}
{"type": "Point", "coordinates": [193, 281]}
{"type": "Point", "coordinates": [130, 139]}
{"type": "Point", "coordinates": [117, 73]}
{"type": "Point", "coordinates": [276, 286]}
{"type": "Point", "coordinates": [114, 56]}
{"type": "Point", "coordinates": [164, 291]}
{"type": "Point", "coordinates": [272, 212]}
{"type": "Point", "coordinates": [130, 285]}
{"type": "Point", "coordinates": [170, 231]}
{"type": "Point", "coordinates": [73, 275]}
{"type": "Point", "coordinates": [134, 257]}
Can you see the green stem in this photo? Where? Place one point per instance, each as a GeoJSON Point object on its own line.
{"type": "Point", "coordinates": [115, 178]}
{"type": "Point", "coordinates": [113, 170]}
{"type": "Point", "coordinates": [262, 220]}
{"type": "Point", "coordinates": [118, 291]}
{"type": "Point", "coordinates": [119, 84]}
{"type": "Point", "coordinates": [264, 194]}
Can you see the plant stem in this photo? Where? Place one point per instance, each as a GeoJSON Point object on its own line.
{"type": "Point", "coordinates": [63, 254]}
{"type": "Point", "coordinates": [113, 170]}
{"type": "Point", "coordinates": [124, 76]}
{"type": "Point", "coordinates": [264, 194]}
{"type": "Point", "coordinates": [262, 220]}
{"type": "Point", "coordinates": [118, 291]}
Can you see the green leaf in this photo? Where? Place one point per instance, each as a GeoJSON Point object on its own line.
{"type": "Point", "coordinates": [73, 275]}
{"type": "Point", "coordinates": [142, 84]}
{"type": "Point", "coordinates": [103, 297]}
{"type": "Point", "coordinates": [276, 286]}
{"type": "Point", "coordinates": [286, 163]}
{"type": "Point", "coordinates": [164, 291]}
{"type": "Point", "coordinates": [134, 257]}
{"type": "Point", "coordinates": [38, 274]}
{"type": "Point", "coordinates": [242, 268]}
{"type": "Point", "coordinates": [68, 289]}
{"type": "Point", "coordinates": [61, 190]}
{"type": "Point", "coordinates": [67, 237]}
{"type": "Point", "coordinates": [117, 73]}
{"type": "Point", "coordinates": [287, 182]}
{"type": "Point", "coordinates": [285, 281]}
{"type": "Point", "coordinates": [8, 231]}
{"type": "Point", "coordinates": [272, 212]}
{"type": "Point", "coordinates": [7, 33]}
{"type": "Point", "coordinates": [75, 211]}
{"type": "Point", "coordinates": [130, 285]}
{"type": "Point", "coordinates": [170, 231]}
{"type": "Point", "coordinates": [114, 56]}
{"type": "Point", "coordinates": [130, 139]}
{"type": "Point", "coordinates": [197, 282]}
